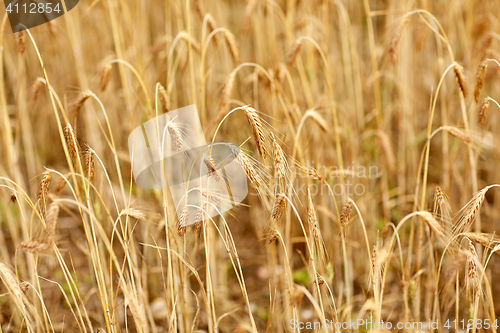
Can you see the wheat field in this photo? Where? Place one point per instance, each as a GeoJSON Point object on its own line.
{"type": "Point", "coordinates": [368, 134]}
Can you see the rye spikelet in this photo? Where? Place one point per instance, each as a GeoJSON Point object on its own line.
{"type": "Point", "coordinates": [439, 197]}
{"type": "Point", "coordinates": [458, 261]}
{"type": "Point", "coordinates": [60, 185]}
{"type": "Point", "coordinates": [212, 170]}
{"type": "Point", "coordinates": [247, 165]}
{"type": "Point", "coordinates": [468, 213]}
{"type": "Point", "coordinates": [183, 35]}
{"type": "Point", "coordinates": [273, 236]}
{"type": "Point", "coordinates": [390, 159]}
{"type": "Point", "coordinates": [311, 173]}
{"type": "Point", "coordinates": [433, 224]}
{"type": "Point", "coordinates": [73, 146]}
{"type": "Point", "coordinates": [317, 118]}
{"type": "Point", "coordinates": [472, 267]}
{"type": "Point", "coordinates": [280, 73]}
{"type": "Point", "coordinates": [312, 217]}
{"type": "Point", "coordinates": [13, 196]}
{"type": "Point", "coordinates": [77, 106]}
{"type": "Point", "coordinates": [458, 134]}
{"type": "Point", "coordinates": [53, 28]}
{"type": "Point", "coordinates": [198, 8]}
{"type": "Point", "coordinates": [292, 54]}
{"type": "Point", "coordinates": [136, 307]}
{"type": "Point", "coordinates": [165, 101]}
{"type": "Point", "coordinates": [183, 220]}
{"type": "Point", "coordinates": [201, 216]}
{"type": "Point", "coordinates": [232, 46]}
{"type": "Point", "coordinates": [51, 223]}
{"type": "Point", "coordinates": [485, 45]}
{"type": "Point", "coordinates": [296, 297]}
{"type": "Point", "coordinates": [12, 284]}
{"type": "Point", "coordinates": [43, 191]}
{"type": "Point", "coordinates": [385, 230]}
{"type": "Point", "coordinates": [257, 129]}
{"type": "Point", "coordinates": [396, 37]}
{"type": "Point", "coordinates": [24, 286]}
{"type": "Point", "coordinates": [278, 208]}
{"type": "Point", "coordinates": [374, 257]}
{"type": "Point", "coordinates": [459, 75]}
{"type": "Point", "coordinates": [35, 90]}
{"type": "Point", "coordinates": [481, 74]}
{"type": "Point", "coordinates": [346, 214]}
{"type": "Point", "coordinates": [484, 108]}
{"type": "Point", "coordinates": [485, 239]}
{"type": "Point", "coordinates": [419, 35]}
{"type": "Point", "coordinates": [20, 41]}
{"type": "Point", "coordinates": [181, 231]}
{"type": "Point", "coordinates": [198, 225]}
{"type": "Point", "coordinates": [105, 75]}
{"type": "Point", "coordinates": [226, 93]}
{"type": "Point", "coordinates": [89, 163]}
{"type": "Point", "coordinates": [279, 160]}
{"type": "Point", "coordinates": [134, 213]}
{"type": "Point", "coordinates": [175, 135]}
{"type": "Point", "coordinates": [159, 45]}
{"type": "Point", "coordinates": [321, 279]}
{"type": "Point", "coordinates": [34, 246]}
{"type": "Point", "coordinates": [301, 23]}
{"type": "Point", "coordinates": [212, 25]}
{"type": "Point", "coordinates": [247, 16]}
